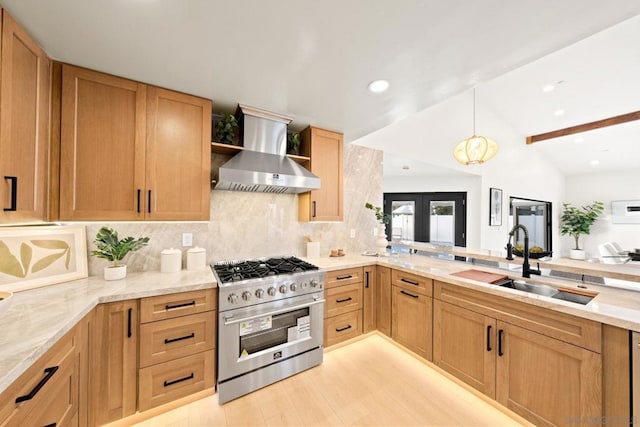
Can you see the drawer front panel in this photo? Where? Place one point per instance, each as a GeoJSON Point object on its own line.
{"type": "Point", "coordinates": [343, 277]}
{"type": "Point", "coordinates": [168, 381]}
{"type": "Point", "coordinates": [174, 338]}
{"type": "Point", "coordinates": [342, 327]}
{"type": "Point", "coordinates": [343, 299]}
{"type": "Point", "coordinates": [175, 305]}
{"type": "Point", "coordinates": [412, 282]}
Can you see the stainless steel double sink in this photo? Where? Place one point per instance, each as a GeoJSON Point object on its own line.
{"type": "Point", "coordinates": [547, 291]}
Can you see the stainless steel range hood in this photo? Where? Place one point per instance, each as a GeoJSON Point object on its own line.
{"type": "Point", "coordinates": [263, 165]}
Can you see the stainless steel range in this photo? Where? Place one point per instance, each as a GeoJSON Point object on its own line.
{"type": "Point", "coordinates": [270, 322]}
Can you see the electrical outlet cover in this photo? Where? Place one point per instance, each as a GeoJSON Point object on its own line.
{"type": "Point", "coordinates": [187, 239]}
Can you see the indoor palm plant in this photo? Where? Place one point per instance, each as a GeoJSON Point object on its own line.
{"type": "Point", "coordinates": [114, 249]}
{"type": "Point", "coordinates": [578, 221]}
{"type": "Point", "coordinates": [383, 219]}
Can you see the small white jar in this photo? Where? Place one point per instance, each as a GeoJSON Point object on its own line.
{"type": "Point", "coordinates": [196, 258]}
{"type": "Point", "coordinates": [170, 260]}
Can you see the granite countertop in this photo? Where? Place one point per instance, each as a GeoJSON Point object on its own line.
{"type": "Point", "coordinates": [38, 318]}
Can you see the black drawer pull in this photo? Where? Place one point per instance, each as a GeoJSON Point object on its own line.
{"type": "Point", "coordinates": [349, 276]}
{"type": "Point", "coordinates": [343, 329]}
{"type": "Point", "coordinates": [179, 380]}
{"type": "Point", "coordinates": [410, 282]}
{"type": "Point", "coordinates": [14, 193]}
{"type": "Point", "coordinates": [186, 304]}
{"type": "Point", "coordinates": [129, 312]}
{"type": "Point", "coordinates": [344, 299]}
{"type": "Point", "coordinates": [186, 337]}
{"type": "Point", "coordinates": [409, 295]}
{"type": "Point", "coordinates": [51, 425]}
{"type": "Point", "coordinates": [49, 373]}
{"type": "Point", "coordinates": [488, 337]}
{"type": "Point", "coordinates": [500, 335]}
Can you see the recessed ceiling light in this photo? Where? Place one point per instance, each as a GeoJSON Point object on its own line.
{"type": "Point", "coordinates": [548, 88]}
{"type": "Point", "coordinates": [595, 162]}
{"type": "Point", "coordinates": [378, 86]}
{"type": "Point", "coordinates": [558, 113]}
{"type": "Point", "coordinates": [405, 167]}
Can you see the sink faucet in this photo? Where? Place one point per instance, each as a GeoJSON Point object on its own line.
{"type": "Point", "coordinates": [526, 268]}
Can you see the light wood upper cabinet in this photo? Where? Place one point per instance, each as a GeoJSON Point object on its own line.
{"type": "Point", "coordinates": [130, 151]}
{"type": "Point", "coordinates": [326, 152]}
{"type": "Point", "coordinates": [24, 123]}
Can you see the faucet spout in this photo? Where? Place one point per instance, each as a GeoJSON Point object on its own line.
{"type": "Point", "coordinates": [526, 268]}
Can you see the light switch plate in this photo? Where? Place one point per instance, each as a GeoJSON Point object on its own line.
{"type": "Point", "coordinates": [352, 234]}
{"type": "Point", "coordinates": [187, 239]}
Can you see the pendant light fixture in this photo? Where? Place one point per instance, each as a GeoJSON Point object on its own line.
{"type": "Point", "coordinates": [475, 149]}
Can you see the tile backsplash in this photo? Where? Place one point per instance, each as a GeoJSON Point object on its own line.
{"type": "Point", "coordinates": [249, 225]}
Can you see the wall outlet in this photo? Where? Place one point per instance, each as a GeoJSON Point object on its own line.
{"type": "Point", "coordinates": [187, 239]}
{"type": "Point", "coordinates": [352, 233]}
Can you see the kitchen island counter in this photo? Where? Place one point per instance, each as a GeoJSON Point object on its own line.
{"type": "Point", "coordinates": [38, 318]}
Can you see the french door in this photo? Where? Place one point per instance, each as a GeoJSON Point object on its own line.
{"type": "Point", "coordinates": [439, 218]}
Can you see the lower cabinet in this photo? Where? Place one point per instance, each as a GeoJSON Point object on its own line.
{"type": "Point", "coordinates": [383, 300]}
{"type": "Point", "coordinates": [343, 305]}
{"type": "Point", "coordinates": [411, 313]}
{"type": "Point", "coordinates": [369, 299]}
{"type": "Point", "coordinates": [528, 368]}
{"type": "Point", "coordinates": [48, 392]}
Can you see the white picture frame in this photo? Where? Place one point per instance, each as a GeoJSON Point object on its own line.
{"type": "Point", "coordinates": [495, 207]}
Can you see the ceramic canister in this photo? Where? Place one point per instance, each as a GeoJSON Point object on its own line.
{"type": "Point", "coordinates": [196, 258]}
{"type": "Point", "coordinates": [170, 260]}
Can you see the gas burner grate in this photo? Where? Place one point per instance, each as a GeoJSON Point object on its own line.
{"type": "Point", "coordinates": [233, 271]}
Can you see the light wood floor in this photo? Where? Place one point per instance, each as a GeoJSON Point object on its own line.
{"type": "Point", "coordinates": [370, 382]}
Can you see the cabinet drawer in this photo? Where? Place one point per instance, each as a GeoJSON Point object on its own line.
{"type": "Point", "coordinates": [343, 277]}
{"type": "Point", "coordinates": [173, 338]}
{"type": "Point", "coordinates": [168, 381]}
{"type": "Point", "coordinates": [343, 299]}
{"type": "Point", "coordinates": [342, 327]}
{"type": "Point", "coordinates": [412, 282]}
{"type": "Point", "coordinates": [48, 390]}
{"type": "Point", "coordinates": [176, 305]}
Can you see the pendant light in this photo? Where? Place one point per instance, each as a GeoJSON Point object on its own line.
{"type": "Point", "coordinates": [475, 149]}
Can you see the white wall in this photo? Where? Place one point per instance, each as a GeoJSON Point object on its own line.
{"type": "Point", "coordinates": [605, 187]}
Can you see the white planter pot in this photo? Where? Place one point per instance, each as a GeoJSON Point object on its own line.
{"type": "Point", "coordinates": [115, 273]}
{"type": "Point", "coordinates": [381, 241]}
{"type": "Point", "coordinates": [577, 254]}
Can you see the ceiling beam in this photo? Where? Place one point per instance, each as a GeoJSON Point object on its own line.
{"type": "Point", "coordinates": [623, 118]}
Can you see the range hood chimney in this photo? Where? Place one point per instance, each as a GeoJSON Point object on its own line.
{"type": "Point", "coordinates": [263, 165]}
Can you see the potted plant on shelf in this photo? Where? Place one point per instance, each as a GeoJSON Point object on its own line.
{"type": "Point", "coordinates": [225, 130]}
{"type": "Point", "coordinates": [577, 221]}
{"type": "Point", "coordinates": [111, 248]}
{"type": "Point", "coordinates": [293, 143]}
{"type": "Point", "coordinates": [383, 219]}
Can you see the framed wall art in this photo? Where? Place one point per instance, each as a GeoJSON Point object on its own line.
{"type": "Point", "coordinates": [36, 256]}
{"type": "Point", "coordinates": [495, 206]}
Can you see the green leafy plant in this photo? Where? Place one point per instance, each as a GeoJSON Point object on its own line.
{"type": "Point", "coordinates": [226, 128]}
{"type": "Point", "coordinates": [112, 248]}
{"type": "Point", "coordinates": [382, 217]}
{"type": "Point", "coordinates": [293, 142]}
{"type": "Point", "coordinates": [578, 221]}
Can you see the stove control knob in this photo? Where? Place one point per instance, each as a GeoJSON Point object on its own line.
{"type": "Point", "coordinates": [305, 285]}
{"type": "Point", "coordinates": [233, 298]}
{"type": "Point", "coordinates": [271, 291]}
{"type": "Point", "coordinates": [259, 293]}
{"type": "Point", "coordinates": [283, 289]}
{"type": "Point", "coordinates": [313, 283]}
{"type": "Point", "coordinates": [246, 295]}
{"type": "Point", "coordinates": [293, 287]}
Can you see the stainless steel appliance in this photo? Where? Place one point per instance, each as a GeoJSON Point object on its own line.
{"type": "Point", "coordinates": [270, 322]}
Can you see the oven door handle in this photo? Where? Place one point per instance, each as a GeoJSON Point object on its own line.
{"type": "Point", "coordinates": [231, 320]}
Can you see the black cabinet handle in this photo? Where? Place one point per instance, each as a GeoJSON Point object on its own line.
{"type": "Point", "coordinates": [344, 299]}
{"type": "Point", "coordinates": [149, 201]}
{"type": "Point", "coordinates": [49, 373]}
{"type": "Point", "coordinates": [138, 202]}
{"type": "Point", "coordinates": [488, 337]}
{"type": "Point", "coordinates": [186, 304]}
{"type": "Point", "coordinates": [500, 335]}
{"type": "Point", "coordinates": [129, 312]}
{"type": "Point", "coordinates": [343, 329]}
{"type": "Point", "coordinates": [410, 282]}
{"type": "Point", "coordinates": [344, 277]}
{"type": "Point", "coordinates": [179, 380]}
{"type": "Point", "coordinates": [14, 193]}
{"type": "Point", "coordinates": [186, 337]}
{"type": "Point", "coordinates": [366, 281]}
{"type": "Point", "coordinates": [51, 425]}
{"type": "Point", "coordinates": [409, 295]}
{"type": "Point", "coordinates": [313, 215]}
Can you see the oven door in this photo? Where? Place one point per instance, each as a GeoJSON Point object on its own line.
{"type": "Point", "coordinates": [253, 337]}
